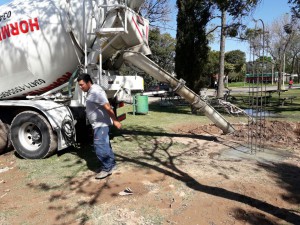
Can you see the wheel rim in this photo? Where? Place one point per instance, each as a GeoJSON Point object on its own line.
{"type": "Point", "coordinates": [30, 136]}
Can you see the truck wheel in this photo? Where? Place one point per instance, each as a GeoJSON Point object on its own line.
{"type": "Point", "coordinates": [4, 137]}
{"type": "Point", "coordinates": [32, 135]}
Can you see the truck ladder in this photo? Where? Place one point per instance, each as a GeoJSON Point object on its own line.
{"type": "Point", "coordinates": [105, 36]}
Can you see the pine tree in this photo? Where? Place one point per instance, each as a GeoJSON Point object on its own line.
{"type": "Point", "coordinates": [192, 45]}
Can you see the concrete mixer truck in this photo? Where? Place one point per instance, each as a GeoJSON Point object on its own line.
{"type": "Point", "coordinates": [44, 44]}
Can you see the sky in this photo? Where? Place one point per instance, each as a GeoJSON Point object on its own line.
{"type": "Point", "coordinates": [268, 11]}
{"type": "Point", "coordinates": [4, 1]}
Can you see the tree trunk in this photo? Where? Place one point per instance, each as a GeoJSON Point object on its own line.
{"type": "Point", "coordinates": [298, 70]}
{"type": "Point", "coordinates": [293, 64]}
{"type": "Point", "coordinates": [280, 75]}
{"type": "Point", "coordinates": [222, 56]}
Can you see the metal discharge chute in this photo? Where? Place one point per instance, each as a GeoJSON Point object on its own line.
{"type": "Point", "coordinates": [144, 63]}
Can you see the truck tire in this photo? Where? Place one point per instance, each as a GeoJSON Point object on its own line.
{"type": "Point", "coordinates": [32, 135]}
{"type": "Point", "coordinates": [4, 137]}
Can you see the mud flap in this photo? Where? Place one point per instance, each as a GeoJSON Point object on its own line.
{"type": "Point", "coordinates": [4, 137]}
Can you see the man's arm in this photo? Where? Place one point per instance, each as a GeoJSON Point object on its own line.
{"type": "Point", "coordinates": [112, 115]}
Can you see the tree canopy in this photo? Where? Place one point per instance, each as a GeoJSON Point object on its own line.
{"type": "Point", "coordinates": [295, 7]}
{"type": "Point", "coordinates": [192, 45]}
{"type": "Point", "coordinates": [163, 51]}
{"type": "Point", "coordinates": [235, 8]}
{"type": "Point", "coordinates": [236, 58]}
{"type": "Point", "coordinates": [279, 44]}
{"type": "Point", "coordinates": [156, 11]}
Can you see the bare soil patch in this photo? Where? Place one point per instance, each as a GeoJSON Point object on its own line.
{"type": "Point", "coordinates": [190, 186]}
{"type": "Point", "coordinates": [277, 134]}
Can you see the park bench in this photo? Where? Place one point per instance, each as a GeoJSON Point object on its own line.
{"type": "Point", "coordinates": [287, 98]}
{"type": "Point", "coordinates": [255, 100]}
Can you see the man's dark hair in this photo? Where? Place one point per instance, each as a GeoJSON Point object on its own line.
{"type": "Point", "coordinates": [85, 77]}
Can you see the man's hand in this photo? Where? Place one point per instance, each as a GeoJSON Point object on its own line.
{"type": "Point", "coordinates": [111, 113]}
{"type": "Point", "coordinates": [117, 124]}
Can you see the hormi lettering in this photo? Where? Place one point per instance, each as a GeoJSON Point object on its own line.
{"type": "Point", "coordinates": [17, 28]}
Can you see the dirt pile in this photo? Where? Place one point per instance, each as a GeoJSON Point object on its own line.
{"type": "Point", "coordinates": [277, 134]}
{"type": "Point", "coordinates": [271, 133]}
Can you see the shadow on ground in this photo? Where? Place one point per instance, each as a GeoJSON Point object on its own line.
{"type": "Point", "coordinates": [150, 152]}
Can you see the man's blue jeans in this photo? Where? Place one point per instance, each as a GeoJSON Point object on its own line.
{"type": "Point", "coordinates": [103, 148]}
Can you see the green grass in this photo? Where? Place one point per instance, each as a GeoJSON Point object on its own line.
{"type": "Point", "coordinates": [161, 116]}
{"type": "Point", "coordinates": [51, 173]}
{"type": "Point", "coordinates": [289, 111]}
{"type": "Point", "coordinates": [237, 84]}
{"type": "Point", "coordinates": [244, 84]}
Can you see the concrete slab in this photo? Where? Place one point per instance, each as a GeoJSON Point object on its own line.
{"type": "Point", "coordinates": [260, 155]}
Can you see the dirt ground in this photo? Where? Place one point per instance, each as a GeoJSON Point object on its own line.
{"type": "Point", "coordinates": [204, 182]}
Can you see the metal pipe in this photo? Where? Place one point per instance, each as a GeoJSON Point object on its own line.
{"type": "Point", "coordinates": [141, 61]}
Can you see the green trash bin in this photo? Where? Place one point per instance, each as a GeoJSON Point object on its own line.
{"type": "Point", "coordinates": [140, 104]}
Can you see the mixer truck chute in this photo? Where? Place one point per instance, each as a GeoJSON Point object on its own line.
{"type": "Point", "coordinates": [145, 64]}
{"type": "Point", "coordinates": [46, 43]}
